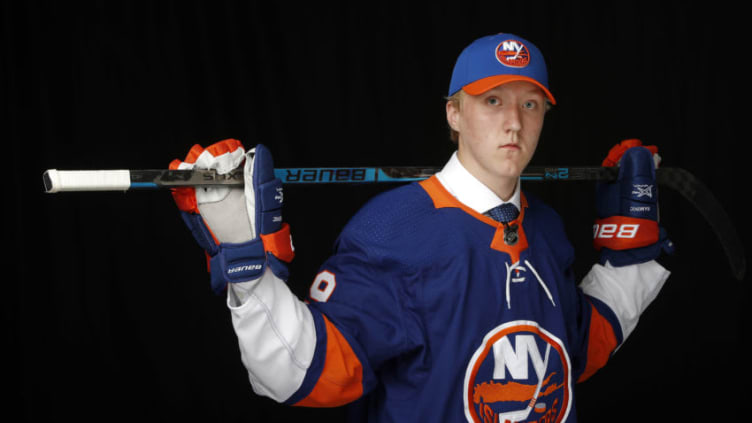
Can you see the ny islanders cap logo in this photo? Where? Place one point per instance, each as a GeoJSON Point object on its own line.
{"type": "Point", "coordinates": [513, 53]}
{"type": "Point", "coordinates": [521, 373]}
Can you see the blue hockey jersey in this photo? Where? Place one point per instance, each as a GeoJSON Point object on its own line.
{"type": "Point", "coordinates": [425, 313]}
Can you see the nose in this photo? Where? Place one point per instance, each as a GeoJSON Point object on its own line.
{"type": "Point", "coordinates": [512, 121]}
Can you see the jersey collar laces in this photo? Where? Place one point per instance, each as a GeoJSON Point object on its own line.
{"type": "Point", "coordinates": [518, 266]}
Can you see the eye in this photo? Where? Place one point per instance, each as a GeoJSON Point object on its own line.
{"type": "Point", "coordinates": [493, 101]}
{"type": "Point", "coordinates": [530, 105]}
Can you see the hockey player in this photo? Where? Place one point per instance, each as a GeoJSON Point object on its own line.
{"type": "Point", "coordinates": [446, 300]}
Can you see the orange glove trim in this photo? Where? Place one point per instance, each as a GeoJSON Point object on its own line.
{"type": "Point", "coordinates": [279, 243]}
{"type": "Point", "coordinates": [614, 155]}
{"type": "Point", "coordinates": [224, 146]}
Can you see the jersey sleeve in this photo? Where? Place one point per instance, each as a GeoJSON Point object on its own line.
{"type": "Point", "coordinates": [603, 310]}
{"type": "Point", "coordinates": [613, 299]}
{"type": "Point", "coordinates": [360, 301]}
{"type": "Point", "coordinates": [324, 351]}
{"type": "Point", "coordinates": [627, 290]}
{"type": "Point", "coordinates": [327, 350]}
{"type": "Point", "coordinates": [276, 335]}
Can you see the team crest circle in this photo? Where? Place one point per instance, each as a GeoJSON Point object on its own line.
{"type": "Point", "coordinates": [513, 53]}
{"type": "Point", "coordinates": [520, 373]}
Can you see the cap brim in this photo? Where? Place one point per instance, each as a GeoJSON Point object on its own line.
{"type": "Point", "coordinates": [482, 85]}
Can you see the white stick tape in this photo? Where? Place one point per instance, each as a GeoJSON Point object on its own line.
{"type": "Point", "coordinates": [86, 180]}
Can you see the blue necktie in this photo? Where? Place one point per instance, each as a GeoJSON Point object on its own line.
{"type": "Point", "coordinates": [504, 213]}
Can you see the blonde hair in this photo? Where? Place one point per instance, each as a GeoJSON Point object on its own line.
{"type": "Point", "coordinates": [455, 99]}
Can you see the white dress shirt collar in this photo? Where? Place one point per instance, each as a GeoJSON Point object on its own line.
{"type": "Point", "coordinates": [468, 190]}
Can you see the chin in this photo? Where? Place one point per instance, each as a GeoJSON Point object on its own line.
{"type": "Point", "coordinates": [507, 173]}
{"type": "Point", "coordinates": [511, 169]}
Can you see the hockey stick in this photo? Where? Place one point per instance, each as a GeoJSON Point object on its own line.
{"type": "Point", "coordinates": [676, 179]}
{"type": "Point", "coordinates": [123, 180]}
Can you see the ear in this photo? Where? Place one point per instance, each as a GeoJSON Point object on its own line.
{"type": "Point", "coordinates": [453, 115]}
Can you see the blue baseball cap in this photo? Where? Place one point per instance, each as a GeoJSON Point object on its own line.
{"type": "Point", "coordinates": [494, 60]}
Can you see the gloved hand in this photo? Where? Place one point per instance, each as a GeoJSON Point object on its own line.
{"type": "Point", "coordinates": [239, 228]}
{"type": "Point", "coordinates": [626, 230]}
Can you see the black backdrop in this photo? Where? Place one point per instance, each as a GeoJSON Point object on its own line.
{"type": "Point", "coordinates": [107, 312]}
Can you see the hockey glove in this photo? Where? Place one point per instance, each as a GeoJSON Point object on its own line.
{"type": "Point", "coordinates": [626, 230]}
{"type": "Point", "coordinates": [239, 228]}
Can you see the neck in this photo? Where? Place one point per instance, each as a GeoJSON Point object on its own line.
{"type": "Point", "coordinates": [504, 189]}
{"type": "Point", "coordinates": [502, 186]}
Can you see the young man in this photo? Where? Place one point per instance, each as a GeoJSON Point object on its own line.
{"type": "Point", "coordinates": [446, 300]}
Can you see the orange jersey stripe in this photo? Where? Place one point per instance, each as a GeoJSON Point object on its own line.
{"type": "Point", "coordinates": [341, 380]}
{"type": "Point", "coordinates": [601, 343]}
{"type": "Point", "coordinates": [443, 198]}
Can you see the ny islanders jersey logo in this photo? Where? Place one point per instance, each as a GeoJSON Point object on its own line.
{"type": "Point", "coordinates": [513, 53]}
{"type": "Point", "coordinates": [521, 373]}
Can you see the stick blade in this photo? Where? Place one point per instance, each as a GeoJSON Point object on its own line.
{"type": "Point", "coordinates": [705, 202]}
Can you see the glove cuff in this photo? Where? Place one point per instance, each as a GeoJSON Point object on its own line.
{"type": "Point", "coordinates": [246, 261]}
{"type": "Point", "coordinates": [237, 263]}
{"type": "Point", "coordinates": [644, 254]}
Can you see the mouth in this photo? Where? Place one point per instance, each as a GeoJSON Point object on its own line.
{"type": "Point", "coordinates": [510, 147]}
